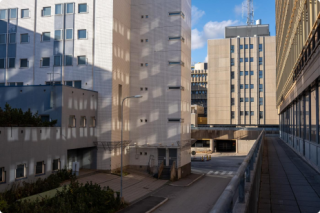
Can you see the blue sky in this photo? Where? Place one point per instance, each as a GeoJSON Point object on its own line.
{"type": "Point", "coordinates": [209, 18]}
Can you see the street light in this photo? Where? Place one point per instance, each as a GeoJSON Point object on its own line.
{"type": "Point", "coordinates": [136, 96]}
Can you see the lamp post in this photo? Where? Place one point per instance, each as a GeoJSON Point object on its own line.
{"type": "Point", "coordinates": [136, 96]}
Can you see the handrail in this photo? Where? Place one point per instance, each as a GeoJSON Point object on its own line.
{"type": "Point", "coordinates": [229, 197]}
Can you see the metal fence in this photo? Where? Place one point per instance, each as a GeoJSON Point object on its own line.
{"type": "Point", "coordinates": [243, 190]}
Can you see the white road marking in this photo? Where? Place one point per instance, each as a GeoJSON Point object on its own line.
{"type": "Point", "coordinates": [223, 173]}
{"type": "Point", "coordinates": [209, 173]}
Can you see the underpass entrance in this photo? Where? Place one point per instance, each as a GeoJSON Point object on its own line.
{"type": "Point", "coordinates": [225, 145]}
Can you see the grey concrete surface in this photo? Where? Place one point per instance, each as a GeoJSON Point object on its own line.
{"type": "Point", "coordinates": [288, 183]}
{"type": "Point", "coordinates": [144, 205]}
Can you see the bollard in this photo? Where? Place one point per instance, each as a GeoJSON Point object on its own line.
{"type": "Point", "coordinates": [209, 157]}
{"type": "Point", "coordinates": [201, 158]}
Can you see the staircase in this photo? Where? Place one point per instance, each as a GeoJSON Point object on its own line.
{"type": "Point", "coordinates": [166, 173]}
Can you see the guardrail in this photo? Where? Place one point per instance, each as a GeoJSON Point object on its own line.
{"type": "Point", "coordinates": [243, 190]}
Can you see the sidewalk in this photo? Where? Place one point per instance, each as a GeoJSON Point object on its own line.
{"type": "Point", "coordinates": [288, 183]}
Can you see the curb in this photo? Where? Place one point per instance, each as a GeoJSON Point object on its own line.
{"type": "Point", "coordinates": [157, 206]}
{"type": "Point", "coordinates": [190, 182]}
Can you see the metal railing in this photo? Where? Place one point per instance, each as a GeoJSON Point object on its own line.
{"type": "Point", "coordinates": [235, 192]}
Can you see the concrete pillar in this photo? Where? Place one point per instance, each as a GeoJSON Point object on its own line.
{"type": "Point", "coordinates": [167, 157]}
{"type": "Point", "coordinates": [212, 145]}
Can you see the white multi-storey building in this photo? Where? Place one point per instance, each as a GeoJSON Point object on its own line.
{"type": "Point", "coordinates": [118, 48]}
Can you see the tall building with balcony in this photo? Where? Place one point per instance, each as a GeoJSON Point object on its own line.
{"type": "Point", "coordinates": [298, 36]}
{"type": "Point", "coordinates": [242, 76]}
{"type": "Point", "coordinates": [199, 85]}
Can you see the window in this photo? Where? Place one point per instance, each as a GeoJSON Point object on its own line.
{"type": "Point", "coordinates": [232, 75]}
{"type": "Point", "coordinates": [82, 8]}
{"type": "Point", "coordinates": [147, 16]}
{"type": "Point", "coordinates": [2, 175]}
{"type": "Point", "coordinates": [246, 113]}
{"type": "Point", "coordinates": [24, 38]}
{"type": "Point", "coordinates": [23, 63]}
{"type": "Point", "coordinates": [146, 64]}
{"type": "Point", "coordinates": [251, 46]}
{"type": "Point", "coordinates": [12, 38]}
{"type": "Point", "coordinates": [241, 73]}
{"type": "Point", "coordinates": [260, 87]}
{"type": "Point", "coordinates": [241, 113]}
{"type": "Point", "coordinates": [251, 99]}
{"type": "Point", "coordinates": [232, 114]}
{"type": "Point", "coordinates": [25, 13]}
{"type": "Point", "coordinates": [77, 84]}
{"type": "Point", "coordinates": [2, 84]}
{"type": "Point", "coordinates": [70, 8]}
{"type": "Point", "coordinates": [260, 47]}
{"type": "Point", "coordinates": [252, 113]}
{"type": "Point", "coordinates": [251, 59]}
{"type": "Point", "coordinates": [246, 86]}
{"type": "Point", "coordinates": [21, 171]}
{"type": "Point", "coordinates": [12, 62]}
{"type": "Point", "coordinates": [2, 63]}
{"type": "Point", "coordinates": [175, 120]}
{"type": "Point", "coordinates": [246, 59]}
{"type": "Point", "coordinates": [251, 86]}
{"type": "Point", "coordinates": [232, 88]}
{"type": "Point", "coordinates": [246, 46]}
{"type": "Point", "coordinates": [57, 61]}
{"type": "Point", "coordinates": [174, 38]}
{"type": "Point", "coordinates": [179, 88]}
{"type": "Point", "coordinates": [232, 49]}
{"type": "Point", "coordinates": [82, 60]}
{"type": "Point", "coordinates": [3, 38]}
{"type": "Point", "coordinates": [241, 60]}
{"type": "Point", "coordinates": [260, 74]}
{"type": "Point", "coordinates": [260, 61]}
{"type": "Point", "coordinates": [69, 34]}
{"type": "Point", "coordinates": [56, 165]}
{"type": "Point", "coordinates": [93, 122]}
{"type": "Point", "coordinates": [232, 62]}
{"type": "Point", "coordinates": [175, 62]}
{"type": "Point", "coordinates": [69, 60]}
{"type": "Point", "coordinates": [241, 47]}
{"type": "Point", "coordinates": [19, 83]}
{"type": "Point", "coordinates": [57, 35]}
{"type": "Point", "coordinates": [176, 13]}
{"type": "Point", "coordinates": [232, 101]}
{"type": "Point", "coordinates": [45, 62]}
{"type": "Point", "coordinates": [261, 115]}
{"type": "Point", "coordinates": [72, 121]}
{"type": "Point", "coordinates": [241, 86]}
{"type": "Point", "coordinates": [46, 11]}
{"type": "Point", "coordinates": [82, 34]}
{"type": "Point", "coordinates": [46, 36]}
{"type": "Point", "coordinates": [58, 9]}
{"type": "Point", "coordinates": [68, 83]}
{"type": "Point", "coordinates": [246, 73]}
{"type": "Point", "coordinates": [251, 73]}
{"type": "Point", "coordinates": [3, 14]}
{"type": "Point", "coordinates": [247, 99]}
{"type": "Point", "coordinates": [241, 100]}
{"type": "Point", "coordinates": [39, 168]}
{"type": "Point", "coordinates": [13, 13]}
{"type": "Point", "coordinates": [260, 101]}
{"type": "Point", "coordinates": [83, 121]}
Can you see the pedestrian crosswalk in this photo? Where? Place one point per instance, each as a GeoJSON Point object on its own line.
{"type": "Point", "coordinates": [221, 173]}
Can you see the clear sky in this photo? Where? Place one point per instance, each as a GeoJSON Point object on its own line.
{"type": "Point", "coordinates": [210, 17]}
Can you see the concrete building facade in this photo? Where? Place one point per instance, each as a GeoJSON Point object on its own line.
{"type": "Point", "coordinates": [199, 85]}
{"type": "Point", "coordinates": [242, 76]}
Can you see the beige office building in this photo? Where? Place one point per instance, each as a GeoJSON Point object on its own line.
{"type": "Point", "coordinates": [242, 76]}
{"type": "Point", "coordinates": [199, 85]}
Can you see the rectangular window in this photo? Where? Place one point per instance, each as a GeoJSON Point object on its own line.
{"type": "Point", "coordinates": [247, 99]}
{"type": "Point", "coordinates": [241, 100]}
{"type": "Point", "coordinates": [241, 86]}
{"type": "Point", "coordinates": [232, 49]}
{"type": "Point", "coordinates": [3, 14]}
{"type": "Point", "coordinates": [82, 8]}
{"type": "Point", "coordinates": [251, 99]}
{"type": "Point", "coordinates": [69, 8]}
{"type": "Point", "coordinates": [13, 13]}
{"type": "Point", "coordinates": [69, 83]}
{"type": "Point", "coordinates": [260, 87]}
{"type": "Point", "coordinates": [12, 38]}
{"type": "Point", "coordinates": [19, 83]}
{"type": "Point", "coordinates": [251, 73]}
{"type": "Point", "coordinates": [23, 63]}
{"type": "Point", "coordinates": [260, 74]}
{"type": "Point", "coordinates": [45, 62]}
{"type": "Point", "coordinates": [25, 13]}
{"type": "Point", "coordinates": [260, 61]}
{"type": "Point", "coordinates": [241, 73]}
{"type": "Point", "coordinates": [82, 34]}
{"type": "Point", "coordinates": [82, 60]}
{"type": "Point", "coordinates": [232, 101]}
{"type": "Point", "coordinates": [58, 9]}
{"type": "Point", "coordinates": [260, 115]}
{"type": "Point", "coordinates": [247, 86]}
{"type": "Point", "coordinates": [246, 46]}
{"type": "Point", "coordinates": [260, 47]}
{"type": "Point", "coordinates": [246, 113]}
{"type": "Point", "coordinates": [2, 84]}
{"type": "Point", "coordinates": [251, 86]}
{"type": "Point", "coordinates": [232, 88]}
{"type": "Point", "coordinates": [77, 84]}
{"type": "Point", "coordinates": [241, 60]}
{"type": "Point", "coordinates": [93, 122]}
{"type": "Point", "coordinates": [40, 168]}
{"type": "Point", "coordinates": [83, 121]}
{"type": "Point", "coordinates": [232, 75]}
{"type": "Point", "coordinates": [69, 59]}
{"type": "Point", "coordinates": [232, 114]}
{"type": "Point", "coordinates": [246, 73]}
{"type": "Point", "coordinates": [56, 165]}
{"type": "Point", "coordinates": [232, 62]}
{"type": "Point", "coordinates": [12, 63]}
{"type": "Point", "coordinates": [3, 38]}
{"type": "Point", "coordinates": [57, 35]}
{"type": "Point", "coordinates": [176, 13]}
{"type": "Point", "coordinates": [252, 113]}
{"type": "Point", "coordinates": [69, 34]}
{"type": "Point", "coordinates": [251, 46]}
{"type": "Point", "coordinates": [12, 84]}
{"type": "Point", "coordinates": [46, 36]}
{"type": "Point", "coordinates": [46, 11]}
{"type": "Point", "coordinates": [251, 59]}
{"type": "Point", "coordinates": [24, 38]}
{"type": "Point", "coordinates": [2, 63]}
{"type": "Point", "coordinates": [2, 175]}
{"type": "Point", "coordinates": [260, 101]}
{"type": "Point", "coordinates": [57, 61]}
{"type": "Point", "coordinates": [21, 171]}
{"type": "Point", "coordinates": [241, 113]}
{"type": "Point", "coordinates": [175, 120]}
{"type": "Point", "coordinates": [241, 47]}
{"type": "Point", "coordinates": [246, 59]}
{"type": "Point", "coordinates": [72, 121]}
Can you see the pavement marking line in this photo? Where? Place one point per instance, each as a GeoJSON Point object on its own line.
{"type": "Point", "coordinates": [230, 173]}
{"type": "Point", "coordinates": [157, 206]}
{"type": "Point", "coordinates": [209, 173]}
{"type": "Point", "coordinates": [223, 173]}
{"type": "Point", "coordinates": [217, 172]}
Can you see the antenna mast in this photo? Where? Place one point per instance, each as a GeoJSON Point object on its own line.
{"type": "Point", "coordinates": [248, 7]}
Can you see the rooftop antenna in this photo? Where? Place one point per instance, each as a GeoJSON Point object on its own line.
{"type": "Point", "coordinates": [247, 6]}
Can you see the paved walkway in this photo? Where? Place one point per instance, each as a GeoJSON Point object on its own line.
{"type": "Point", "coordinates": [288, 184]}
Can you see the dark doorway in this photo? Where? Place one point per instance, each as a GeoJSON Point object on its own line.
{"type": "Point", "coordinates": [173, 156]}
{"type": "Point", "coordinates": [162, 156]}
{"type": "Point", "coordinates": [226, 145]}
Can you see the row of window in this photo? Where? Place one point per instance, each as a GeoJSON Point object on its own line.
{"type": "Point", "coordinates": [199, 92]}
{"type": "Point", "coordinates": [44, 62]}
{"type": "Point", "coordinates": [247, 87]}
{"type": "Point", "coordinates": [76, 84]}
{"type": "Point", "coordinates": [83, 121]}
{"type": "Point", "coordinates": [246, 73]}
{"type": "Point", "coordinates": [247, 100]}
{"type": "Point", "coordinates": [247, 60]}
{"type": "Point", "coordinates": [198, 71]}
{"type": "Point", "coordinates": [196, 76]}
{"type": "Point", "coordinates": [246, 113]}
{"type": "Point", "coordinates": [21, 170]}
{"type": "Point", "coordinates": [246, 46]}
{"type": "Point", "coordinates": [200, 84]}
{"type": "Point", "coordinates": [170, 63]}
